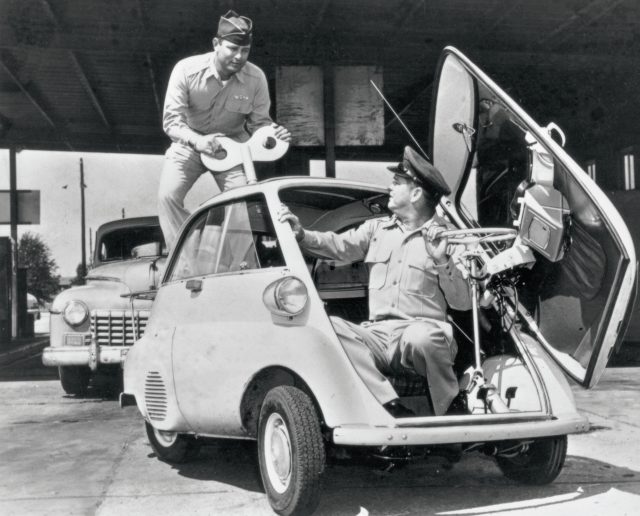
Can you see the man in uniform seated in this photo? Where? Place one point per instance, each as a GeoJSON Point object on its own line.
{"type": "Point", "coordinates": [413, 278]}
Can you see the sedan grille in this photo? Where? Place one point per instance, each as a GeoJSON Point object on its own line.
{"type": "Point", "coordinates": [118, 327]}
{"type": "Point", "coordinates": [155, 396]}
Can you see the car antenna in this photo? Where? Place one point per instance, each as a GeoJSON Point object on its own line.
{"type": "Point", "coordinates": [399, 119]}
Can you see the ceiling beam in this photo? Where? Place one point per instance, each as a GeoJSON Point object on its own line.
{"type": "Point", "coordinates": [580, 19]}
{"type": "Point", "coordinates": [84, 80]}
{"type": "Point", "coordinates": [23, 88]}
{"type": "Point", "coordinates": [148, 62]}
{"type": "Point", "coordinates": [46, 7]}
{"type": "Point", "coordinates": [154, 83]}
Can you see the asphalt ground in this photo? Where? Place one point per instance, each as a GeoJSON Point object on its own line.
{"type": "Point", "coordinates": [64, 455]}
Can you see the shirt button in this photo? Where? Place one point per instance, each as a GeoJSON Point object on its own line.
{"type": "Point", "coordinates": [399, 261]}
{"type": "Point", "coordinates": [393, 305]}
{"type": "Point", "coordinates": [395, 282]}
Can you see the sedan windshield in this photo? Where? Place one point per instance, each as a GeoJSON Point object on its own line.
{"type": "Point", "coordinates": [131, 243]}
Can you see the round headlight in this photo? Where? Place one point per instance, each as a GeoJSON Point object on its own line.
{"type": "Point", "coordinates": [286, 296]}
{"type": "Point", "coordinates": [75, 313]}
{"type": "Point", "coordinates": [291, 295]}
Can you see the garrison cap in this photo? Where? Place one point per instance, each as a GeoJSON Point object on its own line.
{"type": "Point", "coordinates": [415, 167]}
{"type": "Point", "coordinates": [235, 28]}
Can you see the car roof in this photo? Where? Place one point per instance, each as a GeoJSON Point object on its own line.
{"type": "Point", "coordinates": [276, 183]}
{"type": "Point", "coordinates": [107, 227]}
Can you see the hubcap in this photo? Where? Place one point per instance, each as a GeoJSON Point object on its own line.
{"type": "Point", "coordinates": [165, 438]}
{"type": "Point", "coordinates": [277, 453]}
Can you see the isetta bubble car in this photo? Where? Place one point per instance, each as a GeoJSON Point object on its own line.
{"type": "Point", "coordinates": [240, 344]}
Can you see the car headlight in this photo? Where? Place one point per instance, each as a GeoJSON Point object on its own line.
{"type": "Point", "coordinates": [75, 313]}
{"type": "Point", "coordinates": [287, 296]}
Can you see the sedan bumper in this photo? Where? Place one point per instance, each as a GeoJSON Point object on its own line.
{"type": "Point", "coordinates": [91, 355]}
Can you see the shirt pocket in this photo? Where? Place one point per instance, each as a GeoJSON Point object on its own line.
{"type": "Point", "coordinates": [378, 261]}
{"type": "Point", "coordinates": [420, 278]}
{"type": "Point", "coordinates": [238, 105]}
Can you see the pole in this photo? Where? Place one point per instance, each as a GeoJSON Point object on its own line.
{"type": "Point", "coordinates": [82, 221]}
{"type": "Point", "coordinates": [13, 221]}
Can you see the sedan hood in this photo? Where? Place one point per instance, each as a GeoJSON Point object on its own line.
{"type": "Point", "coordinates": [137, 275]}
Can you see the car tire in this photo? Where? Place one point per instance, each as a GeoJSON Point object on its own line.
{"type": "Point", "coordinates": [291, 451]}
{"type": "Point", "coordinates": [538, 465]}
{"type": "Point", "coordinates": [171, 446]}
{"type": "Point", "coordinates": [74, 379]}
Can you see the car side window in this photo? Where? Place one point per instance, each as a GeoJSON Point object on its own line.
{"type": "Point", "coordinates": [235, 237]}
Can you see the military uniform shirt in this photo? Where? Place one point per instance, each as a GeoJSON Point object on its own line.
{"type": "Point", "coordinates": [404, 281]}
{"type": "Point", "coordinates": [196, 99]}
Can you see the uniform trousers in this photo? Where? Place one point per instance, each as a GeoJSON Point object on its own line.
{"type": "Point", "coordinates": [181, 169]}
{"type": "Point", "coordinates": [392, 346]}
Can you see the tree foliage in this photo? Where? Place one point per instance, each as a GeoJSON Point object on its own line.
{"type": "Point", "coordinates": [81, 272]}
{"type": "Point", "coordinates": [34, 255]}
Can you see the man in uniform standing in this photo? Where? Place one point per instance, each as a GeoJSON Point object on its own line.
{"type": "Point", "coordinates": [413, 278]}
{"type": "Point", "coordinates": [210, 95]}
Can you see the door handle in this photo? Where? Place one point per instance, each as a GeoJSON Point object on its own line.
{"type": "Point", "coordinates": [194, 285]}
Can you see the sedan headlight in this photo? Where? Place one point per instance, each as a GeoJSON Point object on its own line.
{"type": "Point", "coordinates": [75, 313]}
{"type": "Point", "coordinates": [287, 296]}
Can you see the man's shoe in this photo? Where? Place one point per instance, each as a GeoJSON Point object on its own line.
{"type": "Point", "coordinates": [397, 409]}
{"type": "Point", "coordinates": [459, 405]}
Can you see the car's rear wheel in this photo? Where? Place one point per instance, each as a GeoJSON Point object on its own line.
{"type": "Point", "coordinates": [74, 379]}
{"type": "Point", "coordinates": [172, 446]}
{"type": "Point", "coordinates": [291, 451]}
{"type": "Point", "coordinates": [539, 464]}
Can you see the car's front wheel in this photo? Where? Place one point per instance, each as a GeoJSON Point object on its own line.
{"type": "Point", "coordinates": [540, 463]}
{"type": "Point", "coordinates": [74, 379]}
{"type": "Point", "coordinates": [172, 446]}
{"type": "Point", "coordinates": [291, 451]}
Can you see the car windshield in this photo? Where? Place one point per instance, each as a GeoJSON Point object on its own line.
{"type": "Point", "coordinates": [130, 243]}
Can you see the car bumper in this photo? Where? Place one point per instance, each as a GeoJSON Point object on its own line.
{"type": "Point", "coordinates": [91, 355]}
{"type": "Point", "coordinates": [458, 432]}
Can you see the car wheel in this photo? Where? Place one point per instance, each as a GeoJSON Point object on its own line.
{"type": "Point", "coordinates": [74, 379]}
{"type": "Point", "coordinates": [172, 446]}
{"type": "Point", "coordinates": [291, 451]}
{"type": "Point", "coordinates": [539, 464]}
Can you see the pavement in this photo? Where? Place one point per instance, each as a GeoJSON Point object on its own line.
{"type": "Point", "coordinates": [23, 347]}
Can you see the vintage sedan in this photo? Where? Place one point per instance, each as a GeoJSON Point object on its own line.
{"type": "Point", "coordinates": [240, 344]}
{"type": "Point", "coordinates": [93, 326]}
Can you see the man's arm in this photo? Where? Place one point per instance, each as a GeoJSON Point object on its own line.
{"type": "Point", "coordinates": [454, 286]}
{"type": "Point", "coordinates": [174, 118]}
{"type": "Point", "coordinates": [350, 246]}
{"type": "Point", "coordinates": [176, 104]}
{"type": "Point", "coordinates": [259, 116]}
{"type": "Point", "coordinates": [452, 282]}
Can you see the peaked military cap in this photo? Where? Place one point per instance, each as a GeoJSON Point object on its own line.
{"type": "Point", "coordinates": [235, 28]}
{"type": "Point", "coordinates": [417, 168]}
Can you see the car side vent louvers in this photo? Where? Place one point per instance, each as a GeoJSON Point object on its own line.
{"type": "Point", "coordinates": [155, 396]}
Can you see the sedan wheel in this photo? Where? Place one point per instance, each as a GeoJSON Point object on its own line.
{"type": "Point", "coordinates": [539, 464]}
{"type": "Point", "coordinates": [172, 446]}
{"type": "Point", "coordinates": [291, 451]}
{"type": "Point", "coordinates": [74, 379]}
